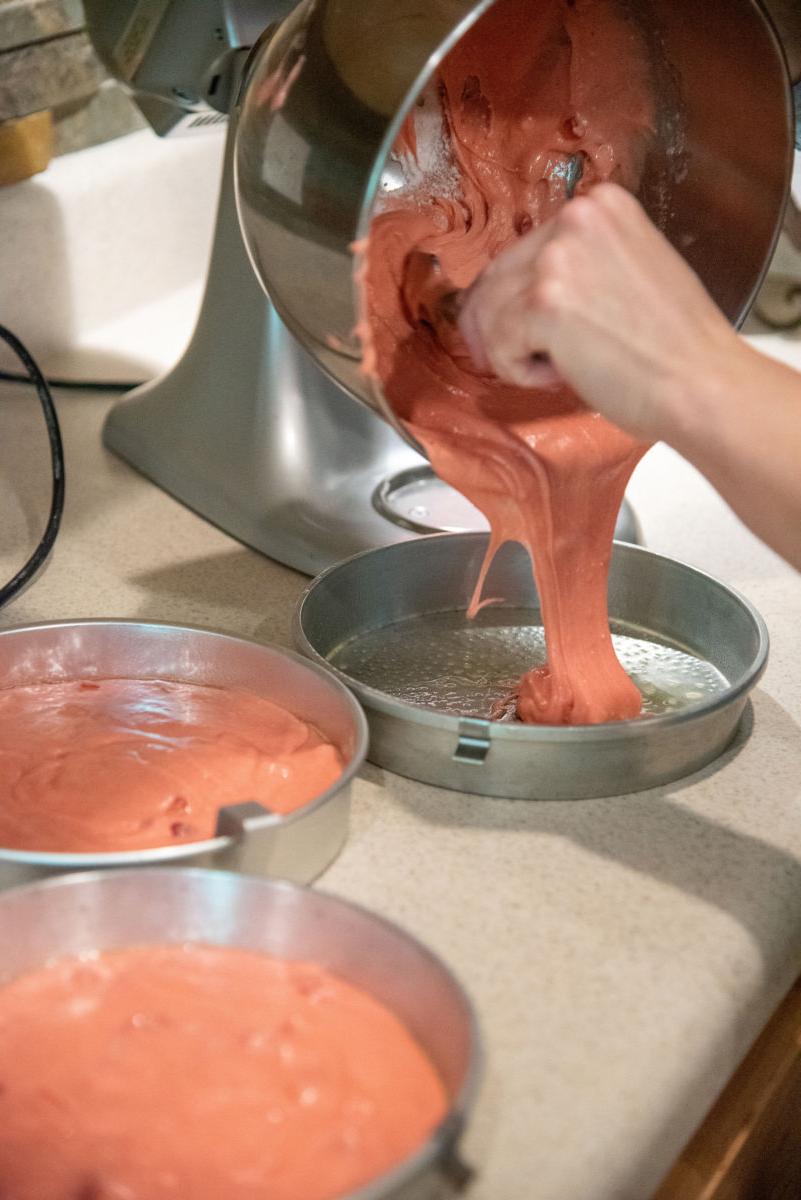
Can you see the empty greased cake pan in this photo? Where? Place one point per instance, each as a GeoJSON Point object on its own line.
{"type": "Point", "coordinates": [296, 846]}
{"type": "Point", "coordinates": [392, 624]}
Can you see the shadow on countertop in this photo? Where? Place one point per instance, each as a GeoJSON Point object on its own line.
{"type": "Point", "coordinates": [661, 834]}
{"type": "Point", "coordinates": [237, 590]}
{"type": "Point", "coordinates": [664, 834]}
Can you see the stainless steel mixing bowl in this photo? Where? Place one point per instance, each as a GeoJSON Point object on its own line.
{"type": "Point", "coordinates": [108, 910]}
{"type": "Point", "coordinates": [310, 161]}
{"type": "Point", "coordinates": [297, 846]}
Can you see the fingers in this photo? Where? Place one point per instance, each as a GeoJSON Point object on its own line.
{"type": "Point", "coordinates": [505, 340]}
{"type": "Point", "coordinates": [506, 316]}
{"type": "Point", "coordinates": [534, 371]}
{"type": "Point", "coordinates": [513, 313]}
{"type": "Point", "coordinates": [471, 322]}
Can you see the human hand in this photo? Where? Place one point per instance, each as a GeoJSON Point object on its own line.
{"type": "Point", "coordinates": [601, 296]}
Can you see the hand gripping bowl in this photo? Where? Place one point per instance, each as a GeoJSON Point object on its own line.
{"type": "Point", "coordinates": [314, 154]}
{"type": "Point", "coordinates": [297, 846]}
{"type": "Point", "coordinates": [98, 911]}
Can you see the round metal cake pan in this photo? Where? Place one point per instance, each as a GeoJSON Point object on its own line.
{"type": "Point", "coordinates": [297, 846]}
{"type": "Point", "coordinates": [376, 607]}
{"type": "Point", "coordinates": [105, 910]}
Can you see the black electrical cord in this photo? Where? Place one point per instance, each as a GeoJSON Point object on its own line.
{"type": "Point", "coordinates": [26, 573]}
{"type": "Point", "coordinates": [79, 385]}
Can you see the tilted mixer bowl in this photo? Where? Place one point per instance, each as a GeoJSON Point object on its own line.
{"type": "Point", "coordinates": [312, 152]}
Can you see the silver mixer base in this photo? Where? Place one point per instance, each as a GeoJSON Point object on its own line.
{"type": "Point", "coordinates": [289, 469]}
{"type": "Point", "coordinates": [249, 433]}
{"type": "Point", "coordinates": [301, 473]}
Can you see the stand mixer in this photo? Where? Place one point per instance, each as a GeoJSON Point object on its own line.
{"type": "Point", "coordinates": [256, 428]}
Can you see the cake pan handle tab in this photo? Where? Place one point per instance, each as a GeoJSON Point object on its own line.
{"type": "Point", "coordinates": [456, 1173]}
{"type": "Point", "coordinates": [474, 741]}
{"type": "Point", "coordinates": [252, 826]}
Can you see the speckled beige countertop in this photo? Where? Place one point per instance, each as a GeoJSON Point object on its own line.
{"type": "Point", "coordinates": [622, 954]}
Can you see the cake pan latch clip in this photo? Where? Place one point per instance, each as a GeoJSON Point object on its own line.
{"type": "Point", "coordinates": [474, 741]}
{"type": "Point", "coordinates": [251, 825]}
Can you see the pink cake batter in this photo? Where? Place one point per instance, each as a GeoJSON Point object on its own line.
{"type": "Point", "coordinates": [125, 764]}
{"type": "Point", "coordinates": [202, 1073]}
{"type": "Point", "coordinates": [529, 86]}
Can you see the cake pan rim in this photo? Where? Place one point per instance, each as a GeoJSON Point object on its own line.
{"type": "Point", "coordinates": [406, 710]}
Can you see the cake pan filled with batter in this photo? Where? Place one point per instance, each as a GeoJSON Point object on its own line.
{"type": "Point", "coordinates": [129, 744]}
{"type": "Point", "coordinates": [208, 1034]}
{"type": "Point", "coordinates": [392, 624]}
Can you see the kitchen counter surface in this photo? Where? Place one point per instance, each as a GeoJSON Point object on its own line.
{"type": "Point", "coordinates": [622, 954]}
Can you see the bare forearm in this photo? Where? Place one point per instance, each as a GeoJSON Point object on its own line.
{"type": "Point", "coordinates": [741, 427]}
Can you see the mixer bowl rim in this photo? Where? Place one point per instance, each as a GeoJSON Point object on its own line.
{"type": "Point", "coordinates": [119, 859]}
{"type": "Point", "coordinates": [441, 1140]}
{"type": "Point", "coordinates": [372, 189]}
{"type": "Point", "coordinates": [393, 128]}
{"type": "Point", "coordinates": [608, 732]}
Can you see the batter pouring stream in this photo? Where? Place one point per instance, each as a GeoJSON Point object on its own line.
{"type": "Point", "coordinates": [530, 86]}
